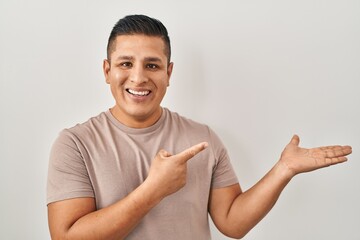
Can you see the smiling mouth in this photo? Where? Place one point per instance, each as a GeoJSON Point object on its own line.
{"type": "Point", "coordinates": [138, 93]}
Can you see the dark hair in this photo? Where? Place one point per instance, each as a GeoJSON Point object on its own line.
{"type": "Point", "coordinates": [139, 24]}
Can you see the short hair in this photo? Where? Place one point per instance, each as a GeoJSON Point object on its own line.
{"type": "Point", "coordinates": [139, 24]}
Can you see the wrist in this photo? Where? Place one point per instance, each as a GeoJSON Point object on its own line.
{"type": "Point", "coordinates": [152, 191]}
{"type": "Point", "coordinates": [284, 171]}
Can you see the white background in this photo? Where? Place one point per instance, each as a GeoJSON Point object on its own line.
{"type": "Point", "coordinates": [255, 71]}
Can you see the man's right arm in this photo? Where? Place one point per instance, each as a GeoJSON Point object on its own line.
{"type": "Point", "coordinates": [78, 218]}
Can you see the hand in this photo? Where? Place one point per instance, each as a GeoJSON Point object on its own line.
{"type": "Point", "coordinates": [299, 160]}
{"type": "Point", "coordinates": [167, 173]}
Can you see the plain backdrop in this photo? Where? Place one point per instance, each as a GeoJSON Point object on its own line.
{"type": "Point", "coordinates": [255, 71]}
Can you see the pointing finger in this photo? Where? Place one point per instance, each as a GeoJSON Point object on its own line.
{"type": "Point", "coordinates": [192, 151]}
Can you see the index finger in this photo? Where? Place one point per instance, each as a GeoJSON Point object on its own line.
{"type": "Point", "coordinates": [189, 153]}
{"type": "Point", "coordinates": [336, 150]}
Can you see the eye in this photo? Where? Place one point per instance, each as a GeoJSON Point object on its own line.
{"type": "Point", "coordinates": [126, 64]}
{"type": "Point", "coordinates": [152, 66]}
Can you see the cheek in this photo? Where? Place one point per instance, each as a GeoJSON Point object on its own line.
{"type": "Point", "coordinates": [162, 86]}
{"type": "Point", "coordinates": [118, 78]}
{"type": "Point", "coordinates": [116, 82]}
{"type": "Point", "coordinates": [163, 81]}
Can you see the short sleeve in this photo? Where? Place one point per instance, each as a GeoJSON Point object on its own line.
{"type": "Point", "coordinates": [67, 174]}
{"type": "Point", "coordinates": [223, 172]}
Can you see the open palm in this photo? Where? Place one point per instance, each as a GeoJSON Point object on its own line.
{"type": "Point", "coordinates": [300, 160]}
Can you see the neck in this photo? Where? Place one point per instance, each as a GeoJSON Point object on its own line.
{"type": "Point", "coordinates": [136, 122]}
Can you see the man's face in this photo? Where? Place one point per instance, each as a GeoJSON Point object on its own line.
{"type": "Point", "coordinates": [138, 74]}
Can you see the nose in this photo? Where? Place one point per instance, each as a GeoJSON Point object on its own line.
{"type": "Point", "coordinates": [138, 75]}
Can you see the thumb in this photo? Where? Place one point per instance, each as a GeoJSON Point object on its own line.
{"type": "Point", "coordinates": [295, 140]}
{"type": "Point", "coordinates": [164, 153]}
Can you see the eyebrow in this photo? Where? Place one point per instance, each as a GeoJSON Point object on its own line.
{"type": "Point", "coordinates": [152, 59]}
{"type": "Point", "coordinates": [147, 59]}
{"type": "Point", "coordinates": [124, 58]}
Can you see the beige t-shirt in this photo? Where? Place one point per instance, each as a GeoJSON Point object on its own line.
{"type": "Point", "coordinates": [107, 160]}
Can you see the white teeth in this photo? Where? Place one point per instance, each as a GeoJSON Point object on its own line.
{"type": "Point", "coordinates": [141, 93]}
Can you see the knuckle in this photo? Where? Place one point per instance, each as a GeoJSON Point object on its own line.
{"type": "Point", "coordinates": [192, 152]}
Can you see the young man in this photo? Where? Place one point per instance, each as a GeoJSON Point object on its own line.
{"type": "Point", "coordinates": [109, 179]}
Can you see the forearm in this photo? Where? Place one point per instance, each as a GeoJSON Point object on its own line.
{"type": "Point", "coordinates": [117, 220]}
{"type": "Point", "coordinates": [78, 219]}
{"type": "Point", "coordinates": [251, 206]}
{"type": "Point", "coordinates": [240, 212]}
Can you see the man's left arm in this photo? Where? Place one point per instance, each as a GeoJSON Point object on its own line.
{"type": "Point", "coordinates": [235, 212]}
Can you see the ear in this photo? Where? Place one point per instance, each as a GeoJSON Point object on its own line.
{"type": "Point", "coordinates": [169, 71]}
{"type": "Point", "coordinates": [106, 70]}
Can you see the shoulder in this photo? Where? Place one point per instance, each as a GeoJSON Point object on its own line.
{"type": "Point", "coordinates": [91, 125]}
{"type": "Point", "coordinates": [193, 128]}
{"type": "Point", "coordinates": [85, 130]}
{"type": "Point", "coordinates": [184, 122]}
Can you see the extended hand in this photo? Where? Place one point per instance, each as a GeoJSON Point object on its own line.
{"type": "Point", "coordinates": [168, 172]}
{"type": "Point", "coordinates": [299, 160]}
